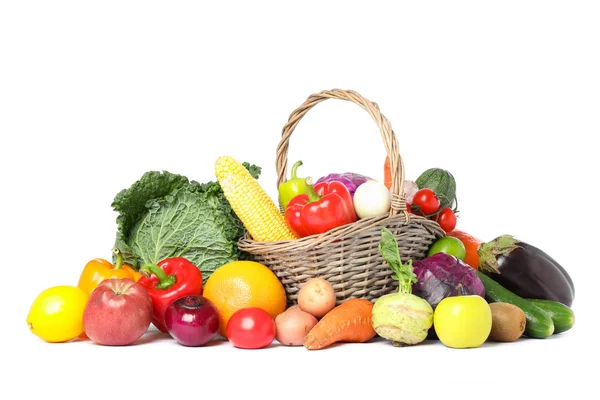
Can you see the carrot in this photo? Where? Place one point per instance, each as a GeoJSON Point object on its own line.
{"type": "Point", "coordinates": [387, 173]}
{"type": "Point", "coordinates": [349, 322]}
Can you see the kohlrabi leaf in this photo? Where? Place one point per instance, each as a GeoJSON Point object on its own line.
{"type": "Point", "coordinates": [388, 247]}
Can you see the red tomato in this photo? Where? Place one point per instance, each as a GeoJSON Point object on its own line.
{"type": "Point", "coordinates": [447, 219]}
{"type": "Point", "coordinates": [408, 208]}
{"type": "Point", "coordinates": [251, 328]}
{"type": "Point", "coordinates": [426, 200]}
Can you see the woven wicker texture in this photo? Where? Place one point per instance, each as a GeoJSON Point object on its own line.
{"type": "Point", "coordinates": [348, 256]}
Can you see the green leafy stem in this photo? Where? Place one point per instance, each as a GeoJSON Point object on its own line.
{"type": "Point", "coordinates": [403, 273]}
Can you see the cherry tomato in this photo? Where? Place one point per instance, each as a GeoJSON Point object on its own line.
{"type": "Point", "coordinates": [408, 208]}
{"type": "Point", "coordinates": [251, 328]}
{"type": "Point", "coordinates": [427, 201]}
{"type": "Point", "coordinates": [447, 219]}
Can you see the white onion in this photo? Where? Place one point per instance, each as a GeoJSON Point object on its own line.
{"type": "Point", "coordinates": [371, 199]}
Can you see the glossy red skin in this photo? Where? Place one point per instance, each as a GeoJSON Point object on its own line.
{"type": "Point", "coordinates": [334, 208]}
{"type": "Point", "coordinates": [426, 201]}
{"type": "Point", "coordinates": [447, 219]}
{"type": "Point", "coordinates": [188, 282]}
{"type": "Point", "coordinates": [251, 328]}
{"type": "Point", "coordinates": [192, 320]}
{"type": "Point", "coordinates": [118, 312]}
{"type": "Point", "coordinates": [293, 214]}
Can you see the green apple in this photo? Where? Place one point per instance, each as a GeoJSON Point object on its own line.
{"type": "Point", "coordinates": [462, 322]}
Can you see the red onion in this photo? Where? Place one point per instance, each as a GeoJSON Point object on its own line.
{"type": "Point", "coordinates": [192, 320]}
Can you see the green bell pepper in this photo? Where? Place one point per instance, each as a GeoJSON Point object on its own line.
{"type": "Point", "coordinates": [293, 187]}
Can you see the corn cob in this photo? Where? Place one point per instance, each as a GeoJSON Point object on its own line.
{"type": "Point", "coordinates": [253, 206]}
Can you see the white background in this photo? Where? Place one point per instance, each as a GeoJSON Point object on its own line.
{"type": "Point", "coordinates": [505, 95]}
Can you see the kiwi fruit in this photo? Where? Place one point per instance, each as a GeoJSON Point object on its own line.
{"type": "Point", "coordinates": [508, 322]}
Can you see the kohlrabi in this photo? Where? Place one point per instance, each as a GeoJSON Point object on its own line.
{"type": "Point", "coordinates": [400, 317]}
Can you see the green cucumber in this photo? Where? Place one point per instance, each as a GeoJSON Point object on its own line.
{"type": "Point", "coordinates": [539, 324]}
{"type": "Point", "coordinates": [562, 316]}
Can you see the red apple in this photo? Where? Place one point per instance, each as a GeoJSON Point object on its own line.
{"type": "Point", "coordinates": [118, 312]}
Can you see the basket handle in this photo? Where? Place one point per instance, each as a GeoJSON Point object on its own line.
{"type": "Point", "coordinates": [398, 202]}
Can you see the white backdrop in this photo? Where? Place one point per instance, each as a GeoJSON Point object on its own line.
{"type": "Point", "coordinates": [92, 95]}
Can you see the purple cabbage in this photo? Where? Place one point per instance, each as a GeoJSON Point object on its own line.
{"type": "Point", "coordinates": [443, 275]}
{"type": "Point", "coordinates": [349, 179]}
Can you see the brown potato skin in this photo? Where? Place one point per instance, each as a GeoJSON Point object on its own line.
{"type": "Point", "coordinates": [508, 322]}
{"type": "Point", "coordinates": [317, 297]}
{"type": "Point", "coordinates": [293, 325]}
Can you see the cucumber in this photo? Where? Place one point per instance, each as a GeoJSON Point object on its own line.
{"type": "Point", "coordinates": [539, 324]}
{"type": "Point", "coordinates": [562, 316]}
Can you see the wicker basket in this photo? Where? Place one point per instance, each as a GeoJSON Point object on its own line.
{"type": "Point", "coordinates": [348, 256]}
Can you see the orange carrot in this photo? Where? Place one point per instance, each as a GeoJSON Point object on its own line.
{"type": "Point", "coordinates": [349, 322]}
{"type": "Point", "coordinates": [387, 173]}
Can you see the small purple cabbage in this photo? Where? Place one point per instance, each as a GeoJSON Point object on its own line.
{"type": "Point", "coordinates": [350, 179]}
{"type": "Point", "coordinates": [443, 275]}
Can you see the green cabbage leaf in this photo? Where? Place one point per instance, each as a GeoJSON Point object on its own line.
{"type": "Point", "coordinates": [165, 215]}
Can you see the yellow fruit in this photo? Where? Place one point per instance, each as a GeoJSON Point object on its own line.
{"type": "Point", "coordinates": [56, 315]}
{"type": "Point", "coordinates": [242, 284]}
{"type": "Point", "coordinates": [462, 322]}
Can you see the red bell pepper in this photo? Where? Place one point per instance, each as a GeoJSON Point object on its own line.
{"type": "Point", "coordinates": [327, 206]}
{"type": "Point", "coordinates": [171, 279]}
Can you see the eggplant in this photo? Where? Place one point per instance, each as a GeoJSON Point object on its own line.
{"type": "Point", "coordinates": [526, 270]}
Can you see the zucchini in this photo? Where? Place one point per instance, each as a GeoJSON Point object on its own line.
{"type": "Point", "coordinates": [562, 316]}
{"type": "Point", "coordinates": [442, 182]}
{"type": "Point", "coordinates": [539, 324]}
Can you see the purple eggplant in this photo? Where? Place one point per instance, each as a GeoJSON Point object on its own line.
{"type": "Point", "coordinates": [526, 270]}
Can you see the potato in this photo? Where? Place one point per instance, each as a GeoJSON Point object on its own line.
{"type": "Point", "coordinates": [316, 297]}
{"type": "Point", "coordinates": [293, 325]}
{"type": "Point", "coordinates": [508, 322]}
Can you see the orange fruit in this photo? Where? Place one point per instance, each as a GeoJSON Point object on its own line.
{"type": "Point", "coordinates": [242, 284]}
{"type": "Point", "coordinates": [471, 243]}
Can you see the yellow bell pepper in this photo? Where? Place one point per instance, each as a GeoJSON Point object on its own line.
{"type": "Point", "coordinates": [100, 269]}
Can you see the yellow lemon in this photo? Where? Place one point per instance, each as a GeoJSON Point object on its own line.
{"type": "Point", "coordinates": [56, 314]}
